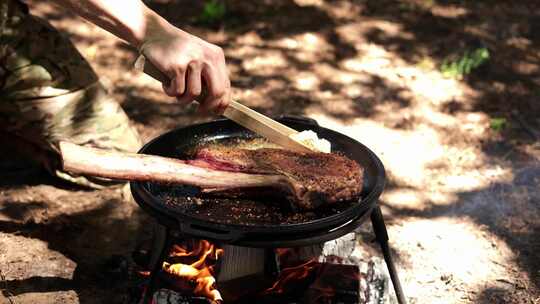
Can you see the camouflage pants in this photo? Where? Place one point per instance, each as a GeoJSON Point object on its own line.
{"type": "Point", "coordinates": [49, 93]}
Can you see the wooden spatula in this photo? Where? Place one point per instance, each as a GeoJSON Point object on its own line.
{"type": "Point", "coordinates": [263, 125]}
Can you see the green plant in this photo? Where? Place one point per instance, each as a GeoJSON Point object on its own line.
{"type": "Point", "coordinates": [213, 11]}
{"type": "Point", "coordinates": [465, 63]}
{"type": "Point", "coordinates": [498, 124]}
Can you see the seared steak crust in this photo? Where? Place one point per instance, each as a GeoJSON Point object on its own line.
{"type": "Point", "coordinates": [313, 178]}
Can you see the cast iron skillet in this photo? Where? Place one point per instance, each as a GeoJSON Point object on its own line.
{"type": "Point", "coordinates": [176, 142]}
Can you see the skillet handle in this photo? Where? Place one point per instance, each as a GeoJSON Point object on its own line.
{"type": "Point", "coordinates": [213, 234]}
{"type": "Point", "coordinates": [298, 119]}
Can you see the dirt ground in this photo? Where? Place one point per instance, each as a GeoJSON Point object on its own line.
{"type": "Point", "coordinates": [462, 202]}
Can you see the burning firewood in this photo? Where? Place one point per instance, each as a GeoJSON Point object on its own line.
{"type": "Point", "coordinates": [191, 269]}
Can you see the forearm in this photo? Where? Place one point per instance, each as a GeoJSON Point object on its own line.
{"type": "Point", "coordinates": [195, 69]}
{"type": "Point", "coordinates": [129, 20]}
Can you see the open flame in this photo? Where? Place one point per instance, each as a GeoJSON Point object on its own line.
{"type": "Point", "coordinates": [192, 268]}
{"type": "Point", "coordinates": [292, 274]}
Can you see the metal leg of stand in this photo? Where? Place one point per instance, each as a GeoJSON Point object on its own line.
{"type": "Point", "coordinates": [159, 252]}
{"type": "Point", "coordinates": [381, 235]}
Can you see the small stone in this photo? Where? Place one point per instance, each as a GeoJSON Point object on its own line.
{"type": "Point", "coordinates": [447, 278]}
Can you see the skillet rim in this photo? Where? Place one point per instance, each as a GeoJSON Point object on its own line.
{"type": "Point", "coordinates": [152, 204]}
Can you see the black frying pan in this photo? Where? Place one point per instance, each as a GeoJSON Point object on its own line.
{"type": "Point", "coordinates": [269, 220]}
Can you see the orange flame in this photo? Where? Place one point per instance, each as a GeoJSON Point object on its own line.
{"type": "Point", "coordinates": [291, 274]}
{"type": "Point", "coordinates": [195, 266]}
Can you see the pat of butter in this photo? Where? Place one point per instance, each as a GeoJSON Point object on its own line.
{"type": "Point", "coordinates": [310, 139]}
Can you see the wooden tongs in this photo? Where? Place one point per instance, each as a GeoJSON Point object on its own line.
{"type": "Point", "coordinates": [274, 131]}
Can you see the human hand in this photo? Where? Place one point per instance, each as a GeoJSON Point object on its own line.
{"type": "Point", "coordinates": [196, 68]}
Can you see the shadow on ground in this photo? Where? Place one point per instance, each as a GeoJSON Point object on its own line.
{"type": "Point", "coordinates": [508, 210]}
{"type": "Point", "coordinates": [94, 231]}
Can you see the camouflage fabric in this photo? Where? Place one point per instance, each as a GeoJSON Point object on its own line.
{"type": "Point", "coordinates": [49, 93]}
